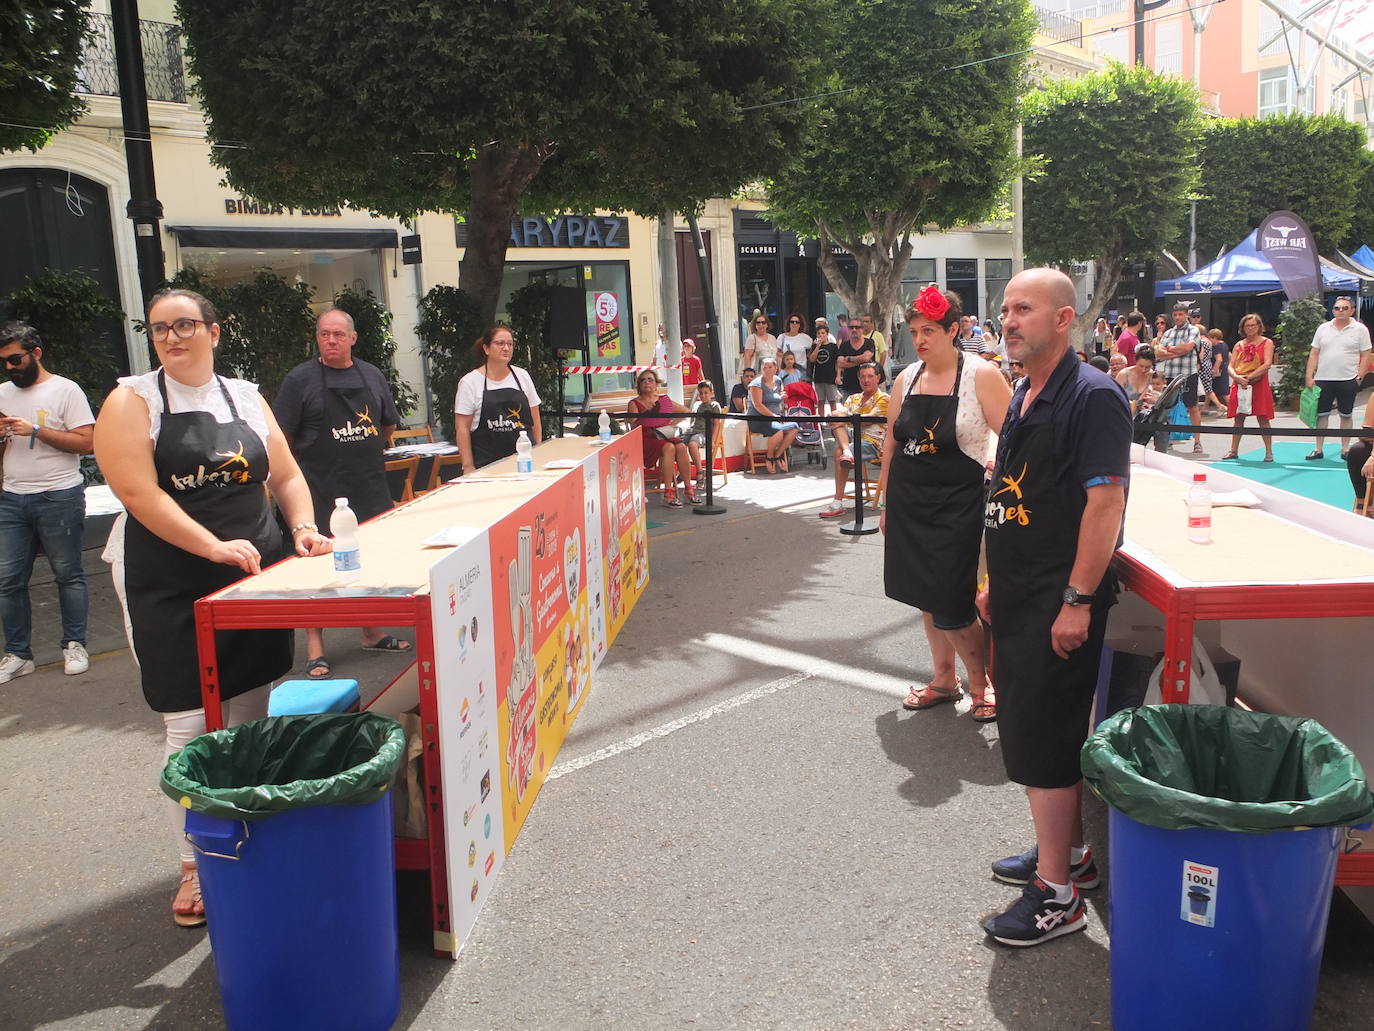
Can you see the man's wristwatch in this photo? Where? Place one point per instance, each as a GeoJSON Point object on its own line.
{"type": "Point", "coordinates": [1073, 596]}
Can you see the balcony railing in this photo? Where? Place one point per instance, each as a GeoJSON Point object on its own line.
{"type": "Point", "coordinates": [1060, 27]}
{"type": "Point", "coordinates": [162, 69]}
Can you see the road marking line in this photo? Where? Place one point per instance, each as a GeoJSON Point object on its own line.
{"type": "Point", "coordinates": [639, 740]}
{"type": "Point", "coordinates": [788, 658]}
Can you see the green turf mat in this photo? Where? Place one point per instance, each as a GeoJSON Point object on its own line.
{"type": "Point", "coordinates": [1323, 480]}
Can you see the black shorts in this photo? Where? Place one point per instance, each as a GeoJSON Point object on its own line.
{"type": "Point", "coordinates": [955, 620]}
{"type": "Point", "coordinates": [1339, 393]}
{"type": "Point", "coordinates": [1189, 395]}
{"type": "Point", "coordinates": [1044, 702]}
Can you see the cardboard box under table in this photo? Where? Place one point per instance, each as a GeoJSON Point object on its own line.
{"type": "Point", "coordinates": [516, 589]}
{"type": "Point", "coordinates": [1287, 587]}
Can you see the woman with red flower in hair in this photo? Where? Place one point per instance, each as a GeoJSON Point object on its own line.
{"type": "Point", "coordinates": [944, 406]}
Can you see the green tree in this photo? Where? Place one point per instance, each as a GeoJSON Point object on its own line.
{"type": "Point", "coordinates": [1311, 165]}
{"type": "Point", "coordinates": [482, 108]}
{"type": "Point", "coordinates": [449, 327]}
{"type": "Point", "coordinates": [375, 344]}
{"type": "Point", "coordinates": [1293, 335]}
{"type": "Point", "coordinates": [1361, 231]}
{"type": "Point", "coordinates": [919, 132]}
{"type": "Point", "coordinates": [529, 316]}
{"type": "Point", "coordinates": [1117, 156]}
{"type": "Point", "coordinates": [40, 55]}
{"type": "Point", "coordinates": [77, 321]}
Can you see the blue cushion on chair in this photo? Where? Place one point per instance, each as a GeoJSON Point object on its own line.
{"type": "Point", "coordinates": [298, 697]}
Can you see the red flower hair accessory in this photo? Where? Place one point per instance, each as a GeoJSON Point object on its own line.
{"type": "Point", "coordinates": [931, 303]}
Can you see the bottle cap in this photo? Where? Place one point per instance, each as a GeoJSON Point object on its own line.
{"type": "Point", "coordinates": [1199, 477]}
{"type": "Point", "coordinates": [340, 502]}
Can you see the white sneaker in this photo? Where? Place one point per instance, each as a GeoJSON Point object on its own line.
{"type": "Point", "coordinates": [12, 666]}
{"type": "Point", "coordinates": [833, 510]}
{"type": "Point", "coordinates": [847, 455]}
{"type": "Point", "coordinates": [74, 659]}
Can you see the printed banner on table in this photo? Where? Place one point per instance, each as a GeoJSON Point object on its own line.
{"type": "Point", "coordinates": [625, 533]}
{"type": "Point", "coordinates": [593, 542]}
{"type": "Point", "coordinates": [465, 656]}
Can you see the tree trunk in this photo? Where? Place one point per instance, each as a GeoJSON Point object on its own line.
{"type": "Point", "coordinates": [500, 175]}
{"type": "Point", "coordinates": [1104, 290]}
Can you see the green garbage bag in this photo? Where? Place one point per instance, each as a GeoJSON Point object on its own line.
{"type": "Point", "coordinates": [1307, 406]}
{"type": "Point", "coordinates": [282, 763]}
{"type": "Point", "coordinates": [1185, 766]}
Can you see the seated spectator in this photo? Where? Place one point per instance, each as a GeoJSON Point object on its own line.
{"type": "Point", "coordinates": [765, 398]}
{"type": "Point", "coordinates": [704, 430]}
{"type": "Point", "coordinates": [739, 393]}
{"type": "Point", "coordinates": [869, 401]}
{"type": "Point", "coordinates": [664, 448]}
{"type": "Point", "coordinates": [1359, 460]}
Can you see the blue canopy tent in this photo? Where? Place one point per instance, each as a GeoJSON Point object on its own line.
{"type": "Point", "coordinates": [1364, 257]}
{"type": "Point", "coordinates": [1244, 270]}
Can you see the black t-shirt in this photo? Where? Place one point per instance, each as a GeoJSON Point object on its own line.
{"type": "Point", "coordinates": [299, 403]}
{"type": "Point", "coordinates": [739, 392]}
{"type": "Point", "coordinates": [822, 367]}
{"type": "Point", "coordinates": [849, 378]}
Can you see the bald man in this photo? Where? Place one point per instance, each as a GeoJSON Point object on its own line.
{"type": "Point", "coordinates": [1053, 520]}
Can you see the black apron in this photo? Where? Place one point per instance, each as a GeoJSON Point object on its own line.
{"type": "Point", "coordinates": [215, 472]}
{"type": "Point", "coordinates": [504, 414]}
{"type": "Point", "coordinates": [345, 460]}
{"type": "Point", "coordinates": [934, 506]}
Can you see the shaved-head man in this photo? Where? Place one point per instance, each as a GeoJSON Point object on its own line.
{"type": "Point", "coordinates": [1053, 520]}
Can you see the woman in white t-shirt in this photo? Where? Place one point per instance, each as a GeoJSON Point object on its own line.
{"type": "Point", "coordinates": [760, 343]}
{"type": "Point", "coordinates": [795, 341]}
{"type": "Point", "coordinates": [496, 402]}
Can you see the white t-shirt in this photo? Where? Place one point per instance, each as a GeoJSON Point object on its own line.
{"type": "Point", "coordinates": [798, 344]}
{"type": "Point", "coordinates": [58, 404]}
{"type": "Point", "coordinates": [1339, 350]}
{"type": "Point", "coordinates": [469, 398]}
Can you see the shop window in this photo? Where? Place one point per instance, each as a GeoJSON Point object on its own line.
{"type": "Point", "coordinates": [327, 272]}
{"type": "Point", "coordinates": [996, 273]}
{"type": "Point", "coordinates": [961, 277]}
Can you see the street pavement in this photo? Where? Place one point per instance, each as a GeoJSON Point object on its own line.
{"type": "Point", "coordinates": [743, 830]}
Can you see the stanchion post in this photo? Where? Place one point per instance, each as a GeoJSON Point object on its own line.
{"type": "Point", "coordinates": [856, 445]}
{"type": "Point", "coordinates": [710, 508]}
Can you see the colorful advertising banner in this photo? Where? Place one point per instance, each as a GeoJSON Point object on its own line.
{"type": "Point", "coordinates": [624, 528]}
{"type": "Point", "coordinates": [1286, 241]}
{"type": "Point", "coordinates": [606, 315]}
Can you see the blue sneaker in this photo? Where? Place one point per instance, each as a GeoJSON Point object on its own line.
{"type": "Point", "coordinates": [1021, 869]}
{"type": "Point", "coordinates": [1036, 917]}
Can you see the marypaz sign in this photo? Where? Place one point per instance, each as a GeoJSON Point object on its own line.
{"type": "Point", "coordinates": [1286, 241]}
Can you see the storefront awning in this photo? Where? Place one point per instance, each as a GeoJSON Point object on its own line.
{"type": "Point", "coordinates": [295, 239]}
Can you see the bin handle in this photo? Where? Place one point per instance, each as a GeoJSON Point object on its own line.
{"type": "Point", "coordinates": [238, 846]}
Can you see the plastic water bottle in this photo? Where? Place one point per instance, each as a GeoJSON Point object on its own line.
{"type": "Point", "coordinates": [1200, 510]}
{"type": "Point", "coordinates": [343, 527]}
{"type": "Point", "coordinates": [603, 428]}
{"type": "Point", "coordinates": [524, 456]}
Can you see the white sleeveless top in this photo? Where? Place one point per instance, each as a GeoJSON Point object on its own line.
{"type": "Point", "coordinates": [971, 430]}
{"type": "Point", "coordinates": [205, 398]}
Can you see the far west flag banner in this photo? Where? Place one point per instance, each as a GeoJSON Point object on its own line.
{"type": "Point", "coordinates": [1287, 242]}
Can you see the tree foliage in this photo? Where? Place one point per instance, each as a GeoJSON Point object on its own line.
{"type": "Point", "coordinates": [77, 321]}
{"type": "Point", "coordinates": [529, 316]}
{"type": "Point", "coordinates": [1311, 165]}
{"type": "Point", "coordinates": [1298, 323]}
{"type": "Point", "coordinates": [449, 327]}
{"type": "Point", "coordinates": [40, 55]}
{"type": "Point", "coordinates": [1117, 157]}
{"type": "Point", "coordinates": [923, 134]}
{"type": "Point", "coordinates": [482, 108]}
{"type": "Point", "coordinates": [1361, 231]}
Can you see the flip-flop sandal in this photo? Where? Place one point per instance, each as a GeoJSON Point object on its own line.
{"type": "Point", "coordinates": [984, 708]}
{"type": "Point", "coordinates": [191, 919]}
{"type": "Point", "coordinates": [317, 669]}
{"type": "Point", "coordinates": [1228, 456]}
{"type": "Point", "coordinates": [387, 643]}
{"type": "Point", "coordinates": [930, 696]}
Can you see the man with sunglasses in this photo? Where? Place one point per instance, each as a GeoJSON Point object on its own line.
{"type": "Point", "coordinates": [1337, 362]}
{"type": "Point", "coordinates": [851, 354]}
{"type": "Point", "coordinates": [46, 427]}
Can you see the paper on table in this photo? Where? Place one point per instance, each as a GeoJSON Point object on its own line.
{"type": "Point", "coordinates": [562, 463]}
{"type": "Point", "coordinates": [450, 536]}
{"type": "Point", "coordinates": [1241, 498]}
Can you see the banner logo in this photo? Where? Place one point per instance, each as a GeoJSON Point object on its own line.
{"type": "Point", "coordinates": [1287, 243]}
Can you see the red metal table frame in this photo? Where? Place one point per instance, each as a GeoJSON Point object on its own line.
{"type": "Point", "coordinates": [1182, 607]}
{"type": "Point", "coordinates": [221, 612]}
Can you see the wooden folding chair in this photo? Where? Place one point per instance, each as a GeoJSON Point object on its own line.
{"type": "Point", "coordinates": [440, 463]}
{"type": "Point", "coordinates": [407, 466]}
{"type": "Point", "coordinates": [421, 435]}
{"type": "Point", "coordinates": [718, 454]}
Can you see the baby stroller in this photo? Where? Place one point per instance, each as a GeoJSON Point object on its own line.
{"type": "Point", "coordinates": [800, 399]}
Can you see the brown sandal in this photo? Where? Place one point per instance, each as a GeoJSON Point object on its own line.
{"type": "Point", "coordinates": [984, 708]}
{"type": "Point", "coordinates": [195, 918]}
{"type": "Point", "coordinates": [930, 696]}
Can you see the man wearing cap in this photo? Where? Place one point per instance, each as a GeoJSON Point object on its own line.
{"type": "Point", "coordinates": [1176, 355]}
{"type": "Point", "coordinates": [1337, 362]}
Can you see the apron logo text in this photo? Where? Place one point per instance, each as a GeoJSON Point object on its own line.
{"type": "Point", "coordinates": [218, 477]}
{"type": "Point", "coordinates": [360, 430]}
{"type": "Point", "coordinates": [998, 513]}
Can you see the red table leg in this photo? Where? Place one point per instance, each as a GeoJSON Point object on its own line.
{"type": "Point", "coordinates": [209, 666]}
{"type": "Point", "coordinates": [1178, 648]}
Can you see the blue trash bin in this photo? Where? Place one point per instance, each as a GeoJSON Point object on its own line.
{"type": "Point", "coordinates": [1225, 830]}
{"type": "Point", "coordinates": [291, 820]}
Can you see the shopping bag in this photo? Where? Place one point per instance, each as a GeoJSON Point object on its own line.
{"type": "Point", "coordinates": [1178, 415]}
{"type": "Point", "coordinates": [1307, 406]}
{"type": "Point", "coordinates": [1244, 395]}
{"type": "Point", "coordinates": [1204, 688]}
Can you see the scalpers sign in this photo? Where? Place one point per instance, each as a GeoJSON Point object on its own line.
{"type": "Point", "coordinates": [569, 231]}
{"type": "Point", "coordinates": [1286, 241]}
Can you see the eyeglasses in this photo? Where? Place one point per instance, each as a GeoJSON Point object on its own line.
{"type": "Point", "coordinates": [1016, 365]}
{"type": "Point", "coordinates": [184, 329]}
{"type": "Point", "coordinates": [760, 322]}
{"type": "Point", "coordinates": [16, 360]}
{"type": "Point", "coordinates": [794, 322]}
{"type": "Point", "coordinates": [856, 325]}
{"type": "Point", "coordinates": [1342, 307]}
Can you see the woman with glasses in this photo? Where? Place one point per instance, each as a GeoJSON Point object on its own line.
{"type": "Point", "coordinates": [665, 448]}
{"type": "Point", "coordinates": [1250, 362]}
{"type": "Point", "coordinates": [760, 343]}
{"type": "Point", "coordinates": [765, 398]}
{"type": "Point", "coordinates": [1161, 325]}
{"type": "Point", "coordinates": [190, 455]}
{"type": "Point", "coordinates": [795, 341]}
{"type": "Point", "coordinates": [495, 403]}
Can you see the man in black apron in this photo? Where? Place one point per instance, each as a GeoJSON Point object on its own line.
{"type": "Point", "coordinates": [1053, 520]}
{"type": "Point", "coordinates": [337, 414]}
